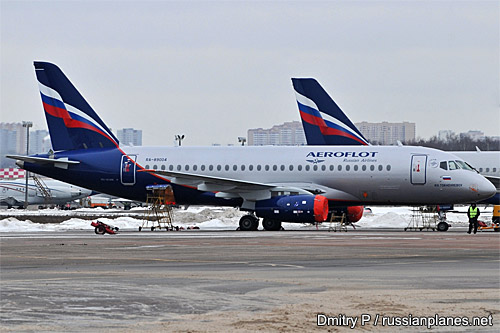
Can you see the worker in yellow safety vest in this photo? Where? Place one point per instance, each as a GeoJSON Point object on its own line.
{"type": "Point", "coordinates": [473, 213]}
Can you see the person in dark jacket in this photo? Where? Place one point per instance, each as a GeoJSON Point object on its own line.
{"type": "Point", "coordinates": [473, 213]}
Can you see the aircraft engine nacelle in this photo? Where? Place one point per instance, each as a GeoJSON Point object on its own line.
{"type": "Point", "coordinates": [354, 213]}
{"type": "Point", "coordinates": [294, 208]}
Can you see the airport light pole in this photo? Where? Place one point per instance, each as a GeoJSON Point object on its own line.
{"type": "Point", "coordinates": [242, 139]}
{"type": "Point", "coordinates": [27, 124]}
{"type": "Point", "coordinates": [179, 139]}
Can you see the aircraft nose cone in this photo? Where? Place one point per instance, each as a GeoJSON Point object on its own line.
{"type": "Point", "coordinates": [486, 189]}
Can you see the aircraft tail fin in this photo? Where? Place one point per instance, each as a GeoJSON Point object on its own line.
{"type": "Point", "coordinates": [72, 122]}
{"type": "Point", "coordinates": [324, 122]}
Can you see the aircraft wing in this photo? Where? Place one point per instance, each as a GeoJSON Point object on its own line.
{"type": "Point", "coordinates": [230, 188]}
{"type": "Point", "coordinates": [10, 201]}
{"type": "Point", "coordinates": [192, 179]}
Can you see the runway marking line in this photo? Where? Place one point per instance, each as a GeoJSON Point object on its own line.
{"type": "Point", "coordinates": [163, 260]}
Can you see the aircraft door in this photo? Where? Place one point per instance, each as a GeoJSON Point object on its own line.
{"type": "Point", "coordinates": [418, 170]}
{"type": "Point", "coordinates": [127, 169]}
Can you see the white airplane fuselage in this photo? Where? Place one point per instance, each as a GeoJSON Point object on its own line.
{"type": "Point", "coordinates": [486, 162]}
{"type": "Point", "coordinates": [364, 175]}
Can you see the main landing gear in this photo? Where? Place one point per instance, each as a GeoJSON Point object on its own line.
{"type": "Point", "coordinates": [251, 223]}
{"type": "Point", "coordinates": [271, 225]}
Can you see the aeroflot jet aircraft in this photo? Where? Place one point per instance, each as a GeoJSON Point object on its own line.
{"type": "Point", "coordinates": [325, 124]}
{"type": "Point", "coordinates": [293, 184]}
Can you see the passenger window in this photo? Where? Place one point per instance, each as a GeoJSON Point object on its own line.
{"type": "Point", "coordinates": [203, 167]}
{"type": "Point", "coordinates": [388, 168]}
{"type": "Point", "coordinates": [339, 167]}
{"type": "Point", "coordinates": [452, 165]}
{"type": "Point", "coordinates": [487, 169]}
{"type": "Point", "coordinates": [323, 167]}
{"type": "Point", "coordinates": [243, 167]}
{"type": "Point", "coordinates": [219, 167]}
{"type": "Point", "coordinates": [380, 168]}
{"type": "Point", "coordinates": [347, 168]}
{"type": "Point", "coordinates": [372, 167]}
{"type": "Point", "coordinates": [443, 165]}
{"type": "Point", "coordinates": [363, 167]}
{"type": "Point", "coordinates": [170, 167]}
{"type": "Point", "coordinates": [195, 167]}
{"type": "Point", "coordinates": [275, 167]}
{"type": "Point", "coordinates": [332, 167]}
{"type": "Point", "coordinates": [179, 167]}
{"type": "Point", "coordinates": [290, 167]}
{"type": "Point", "coordinates": [155, 167]}
{"type": "Point", "coordinates": [186, 167]}
{"type": "Point", "coordinates": [267, 167]}
{"type": "Point", "coordinates": [210, 167]}
{"type": "Point", "coordinates": [480, 169]}
{"type": "Point", "coordinates": [250, 167]}
{"type": "Point", "coordinates": [146, 166]}
{"type": "Point", "coordinates": [299, 167]}
{"type": "Point", "coordinates": [315, 168]}
{"type": "Point", "coordinates": [282, 167]}
{"type": "Point", "coordinates": [226, 167]}
{"type": "Point", "coordinates": [356, 167]}
{"type": "Point", "coordinates": [308, 167]}
{"type": "Point", "coordinates": [259, 167]}
{"type": "Point", "coordinates": [235, 167]}
{"type": "Point", "coordinates": [494, 169]}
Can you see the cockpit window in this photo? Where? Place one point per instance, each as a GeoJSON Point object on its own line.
{"type": "Point", "coordinates": [452, 165]}
{"type": "Point", "coordinates": [464, 165]}
{"type": "Point", "coordinates": [443, 165]}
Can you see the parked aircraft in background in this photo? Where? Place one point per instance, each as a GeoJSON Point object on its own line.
{"type": "Point", "coordinates": [292, 184]}
{"type": "Point", "coordinates": [326, 124]}
{"type": "Point", "coordinates": [12, 192]}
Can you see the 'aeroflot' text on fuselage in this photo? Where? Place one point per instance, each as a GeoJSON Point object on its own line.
{"type": "Point", "coordinates": [342, 154]}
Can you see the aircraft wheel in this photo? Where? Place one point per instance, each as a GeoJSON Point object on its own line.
{"type": "Point", "coordinates": [249, 223]}
{"type": "Point", "coordinates": [442, 226]}
{"type": "Point", "coordinates": [271, 225]}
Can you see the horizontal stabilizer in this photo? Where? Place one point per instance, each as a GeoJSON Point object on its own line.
{"type": "Point", "coordinates": [57, 162]}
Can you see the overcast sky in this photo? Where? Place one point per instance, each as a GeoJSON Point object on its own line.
{"type": "Point", "coordinates": [212, 70]}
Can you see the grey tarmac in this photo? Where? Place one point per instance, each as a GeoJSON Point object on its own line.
{"type": "Point", "coordinates": [209, 281]}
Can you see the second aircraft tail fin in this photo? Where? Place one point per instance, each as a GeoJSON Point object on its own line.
{"type": "Point", "coordinates": [324, 122]}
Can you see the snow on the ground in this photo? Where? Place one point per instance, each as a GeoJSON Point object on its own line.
{"type": "Point", "coordinates": [217, 218]}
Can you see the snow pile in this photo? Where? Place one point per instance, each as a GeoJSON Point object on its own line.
{"type": "Point", "coordinates": [216, 216]}
{"type": "Point", "coordinates": [386, 220]}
